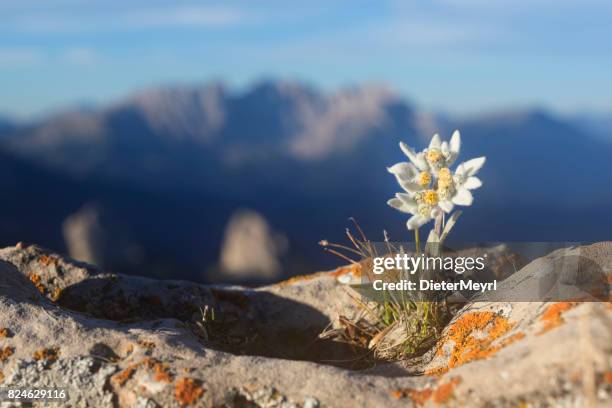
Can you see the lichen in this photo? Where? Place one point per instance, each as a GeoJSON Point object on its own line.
{"type": "Point", "coordinates": [188, 390]}
{"type": "Point", "coordinates": [160, 370]}
{"type": "Point", "coordinates": [123, 376]}
{"type": "Point", "coordinates": [47, 260]}
{"type": "Point", "coordinates": [161, 373]}
{"type": "Point", "coordinates": [46, 354]}
{"type": "Point", "coordinates": [5, 353]}
{"type": "Point", "coordinates": [553, 315]}
{"type": "Point", "coordinates": [354, 269]}
{"type": "Point", "coordinates": [36, 280]}
{"type": "Point", "coordinates": [5, 332]}
{"type": "Point", "coordinates": [419, 397]}
{"type": "Point", "coordinates": [440, 394]}
{"type": "Point", "coordinates": [57, 292]}
{"type": "Point", "coordinates": [445, 391]}
{"type": "Point", "coordinates": [474, 336]}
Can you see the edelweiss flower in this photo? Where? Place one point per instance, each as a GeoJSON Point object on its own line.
{"type": "Point", "coordinates": [442, 154]}
{"type": "Point", "coordinates": [430, 185]}
{"type": "Point", "coordinates": [423, 206]}
{"type": "Point", "coordinates": [456, 189]}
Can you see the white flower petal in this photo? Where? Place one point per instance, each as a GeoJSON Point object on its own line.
{"type": "Point", "coordinates": [404, 170]}
{"type": "Point", "coordinates": [446, 206]}
{"type": "Point", "coordinates": [410, 186]}
{"type": "Point", "coordinates": [407, 198]}
{"type": "Point", "coordinates": [455, 147]}
{"type": "Point", "coordinates": [455, 142]}
{"type": "Point", "coordinates": [416, 221]}
{"type": "Point", "coordinates": [435, 142]}
{"type": "Point", "coordinates": [471, 167]}
{"type": "Point", "coordinates": [472, 183]}
{"type": "Point", "coordinates": [444, 148]}
{"type": "Point", "coordinates": [401, 206]}
{"type": "Point", "coordinates": [422, 162]}
{"type": "Point", "coordinates": [463, 197]}
{"type": "Point", "coordinates": [409, 152]}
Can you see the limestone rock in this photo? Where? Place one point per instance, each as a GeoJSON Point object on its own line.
{"type": "Point", "coordinates": [115, 340]}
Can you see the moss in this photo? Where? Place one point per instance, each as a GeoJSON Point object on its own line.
{"type": "Point", "coordinates": [188, 390]}
{"type": "Point", "coordinates": [553, 315]}
{"type": "Point", "coordinates": [474, 337]}
{"type": "Point", "coordinates": [6, 352]}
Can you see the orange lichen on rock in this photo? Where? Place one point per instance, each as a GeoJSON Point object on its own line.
{"type": "Point", "coordinates": [1, 376]}
{"type": "Point", "coordinates": [440, 394]}
{"type": "Point", "coordinates": [553, 315]}
{"type": "Point", "coordinates": [445, 391]}
{"type": "Point", "coordinates": [35, 279]}
{"type": "Point", "coordinates": [161, 373]}
{"type": "Point", "coordinates": [353, 269]}
{"type": "Point", "coordinates": [47, 260]}
{"type": "Point", "coordinates": [6, 352]}
{"type": "Point", "coordinates": [123, 376]}
{"type": "Point", "coordinates": [188, 390]}
{"type": "Point", "coordinates": [57, 292]}
{"type": "Point", "coordinates": [419, 397]}
{"type": "Point", "coordinates": [160, 370]}
{"type": "Point", "coordinates": [4, 333]}
{"type": "Point", "coordinates": [473, 337]}
{"type": "Point", "coordinates": [47, 354]}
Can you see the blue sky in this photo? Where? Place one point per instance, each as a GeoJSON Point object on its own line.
{"type": "Point", "coordinates": [460, 56]}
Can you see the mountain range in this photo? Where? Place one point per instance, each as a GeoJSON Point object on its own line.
{"type": "Point", "coordinates": [166, 168]}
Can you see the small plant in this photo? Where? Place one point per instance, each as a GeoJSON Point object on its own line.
{"type": "Point", "coordinates": [400, 326]}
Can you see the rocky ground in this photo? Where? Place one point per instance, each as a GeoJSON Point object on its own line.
{"type": "Point", "coordinates": [116, 340]}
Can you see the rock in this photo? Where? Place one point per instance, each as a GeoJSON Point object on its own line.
{"type": "Point", "coordinates": [84, 235]}
{"type": "Point", "coordinates": [115, 340]}
{"type": "Point", "coordinates": [251, 250]}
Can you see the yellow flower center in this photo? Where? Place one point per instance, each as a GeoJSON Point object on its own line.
{"type": "Point", "coordinates": [424, 178]}
{"type": "Point", "coordinates": [434, 155]}
{"type": "Point", "coordinates": [445, 174]}
{"type": "Point", "coordinates": [445, 178]}
{"type": "Point", "coordinates": [430, 197]}
{"type": "Point", "coordinates": [424, 210]}
{"type": "Point", "coordinates": [445, 193]}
